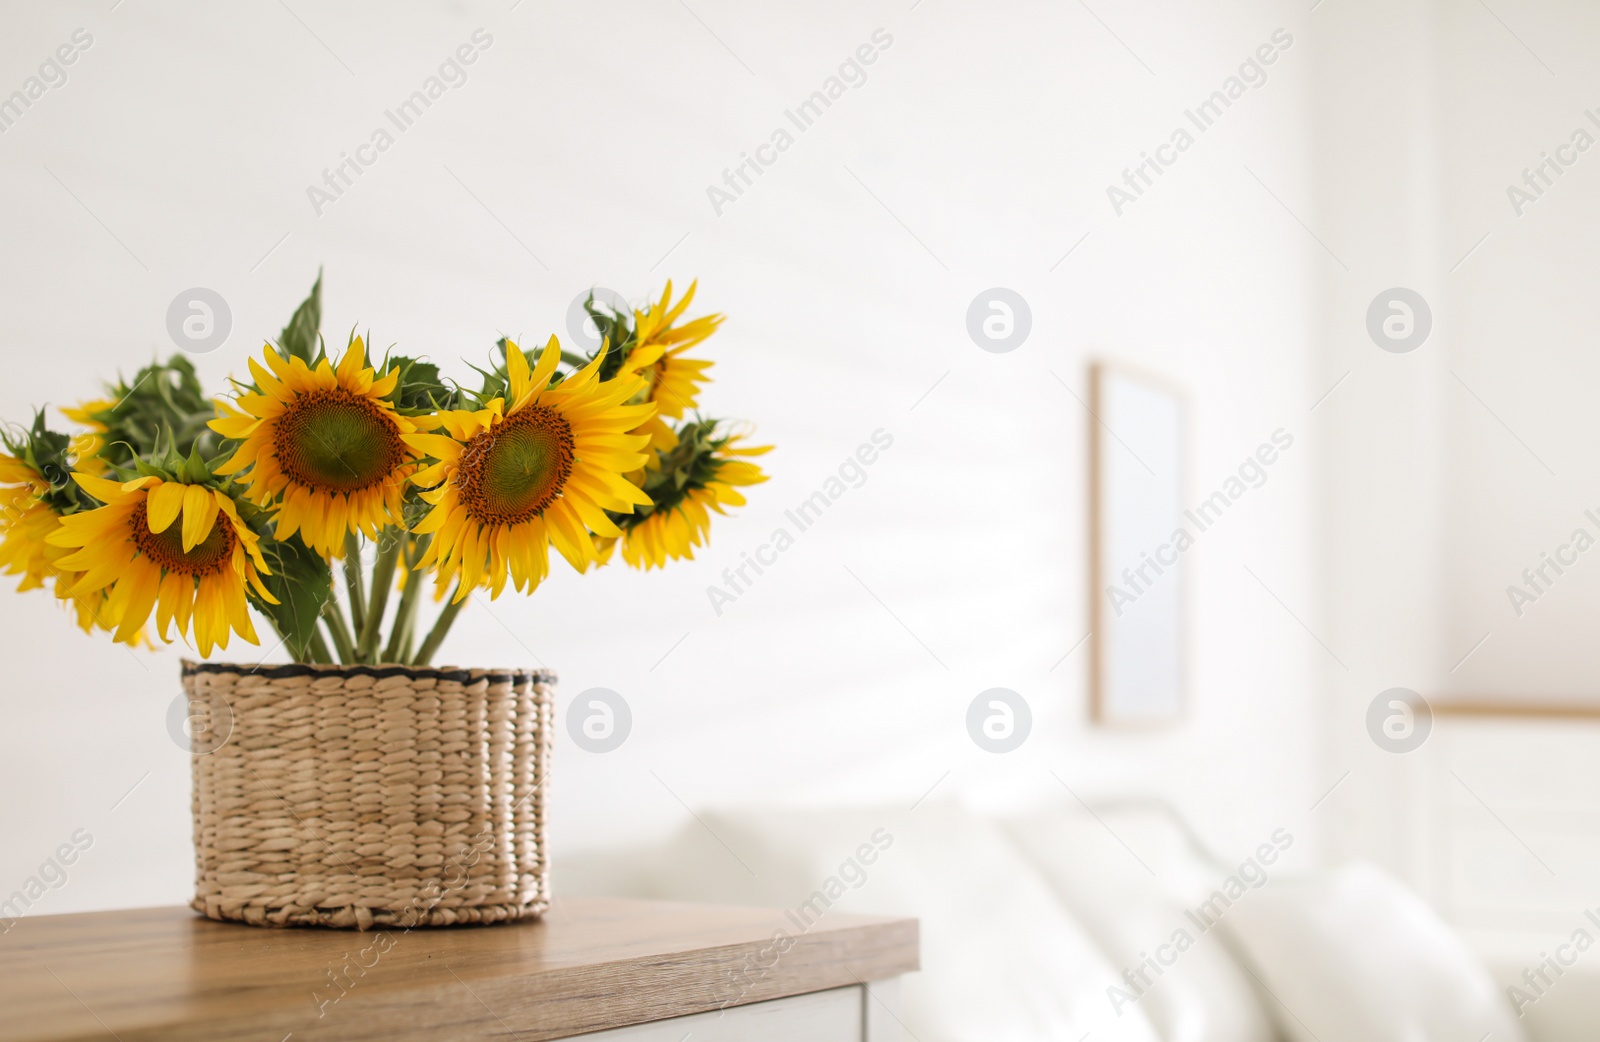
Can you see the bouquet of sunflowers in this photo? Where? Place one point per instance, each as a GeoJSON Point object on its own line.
{"type": "Point", "coordinates": [170, 511]}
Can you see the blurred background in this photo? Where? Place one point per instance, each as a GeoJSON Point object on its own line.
{"type": "Point", "coordinates": [1386, 145]}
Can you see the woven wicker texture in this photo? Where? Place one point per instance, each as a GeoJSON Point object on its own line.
{"type": "Point", "coordinates": [355, 796]}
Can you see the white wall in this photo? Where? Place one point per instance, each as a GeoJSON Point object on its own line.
{"type": "Point", "coordinates": [1381, 417]}
{"type": "Point", "coordinates": [976, 154]}
{"type": "Point", "coordinates": [1455, 466]}
{"type": "Point", "coordinates": [1522, 470]}
{"type": "Point", "coordinates": [1521, 477]}
{"type": "Point", "coordinates": [1452, 468]}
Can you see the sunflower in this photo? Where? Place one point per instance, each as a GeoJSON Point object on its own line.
{"type": "Point", "coordinates": [326, 445]}
{"type": "Point", "coordinates": [705, 474]}
{"type": "Point", "coordinates": [28, 516]}
{"type": "Point", "coordinates": [168, 546]}
{"type": "Point", "coordinates": [672, 381]}
{"type": "Point", "coordinates": [25, 520]}
{"type": "Point", "coordinates": [512, 479]}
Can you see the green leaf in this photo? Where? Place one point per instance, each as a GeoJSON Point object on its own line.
{"type": "Point", "coordinates": [497, 382]}
{"type": "Point", "coordinates": [302, 581]}
{"type": "Point", "coordinates": [193, 468]}
{"type": "Point", "coordinates": [616, 331]}
{"type": "Point", "coordinates": [299, 337]}
{"type": "Point", "coordinates": [146, 469]}
{"type": "Point", "coordinates": [164, 401]}
{"type": "Point", "coordinates": [46, 451]}
{"type": "Point", "coordinates": [420, 389]}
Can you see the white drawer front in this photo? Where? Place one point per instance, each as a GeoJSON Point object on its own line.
{"type": "Point", "coordinates": [823, 1016]}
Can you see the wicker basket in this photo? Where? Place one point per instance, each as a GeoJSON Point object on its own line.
{"type": "Point", "coordinates": [355, 796]}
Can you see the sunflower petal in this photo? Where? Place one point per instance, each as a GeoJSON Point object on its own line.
{"type": "Point", "coordinates": [164, 504]}
{"type": "Point", "coordinates": [354, 360]}
{"type": "Point", "coordinates": [199, 514]}
{"type": "Point", "coordinates": [516, 369]}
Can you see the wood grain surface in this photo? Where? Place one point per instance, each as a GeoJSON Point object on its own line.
{"type": "Point", "coordinates": [1559, 709]}
{"type": "Point", "coordinates": [589, 965]}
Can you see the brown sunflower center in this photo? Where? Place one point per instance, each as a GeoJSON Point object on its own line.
{"type": "Point", "coordinates": [335, 440]}
{"type": "Point", "coordinates": [514, 471]}
{"type": "Point", "coordinates": [209, 556]}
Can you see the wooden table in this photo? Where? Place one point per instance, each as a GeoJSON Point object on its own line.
{"type": "Point", "coordinates": [618, 967]}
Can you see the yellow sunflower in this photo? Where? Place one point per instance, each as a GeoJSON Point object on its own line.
{"type": "Point", "coordinates": [26, 522]}
{"type": "Point", "coordinates": [167, 546]}
{"type": "Point", "coordinates": [513, 478]}
{"type": "Point", "coordinates": [673, 382]}
{"type": "Point", "coordinates": [681, 521]}
{"type": "Point", "coordinates": [326, 445]}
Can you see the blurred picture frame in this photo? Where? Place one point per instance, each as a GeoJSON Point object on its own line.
{"type": "Point", "coordinates": [1138, 568]}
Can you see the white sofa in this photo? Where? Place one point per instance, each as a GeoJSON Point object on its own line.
{"type": "Point", "coordinates": [1114, 923]}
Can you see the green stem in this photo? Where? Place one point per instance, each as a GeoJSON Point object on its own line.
{"type": "Point", "coordinates": [317, 649]}
{"type": "Point", "coordinates": [404, 626]}
{"type": "Point", "coordinates": [352, 581]}
{"type": "Point", "coordinates": [405, 617]}
{"type": "Point", "coordinates": [441, 626]}
{"type": "Point", "coordinates": [283, 641]}
{"type": "Point", "coordinates": [333, 617]}
{"type": "Point", "coordinates": [382, 583]}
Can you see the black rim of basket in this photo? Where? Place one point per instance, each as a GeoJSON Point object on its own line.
{"type": "Point", "coordinates": [301, 669]}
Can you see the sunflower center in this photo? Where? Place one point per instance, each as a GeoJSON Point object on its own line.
{"type": "Point", "coordinates": [208, 556]}
{"type": "Point", "coordinates": [335, 440]}
{"type": "Point", "coordinates": [514, 471]}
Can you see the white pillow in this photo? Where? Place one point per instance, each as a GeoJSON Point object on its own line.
{"type": "Point", "coordinates": [1352, 955]}
{"type": "Point", "coordinates": [1126, 896]}
{"type": "Point", "coordinates": [1002, 959]}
